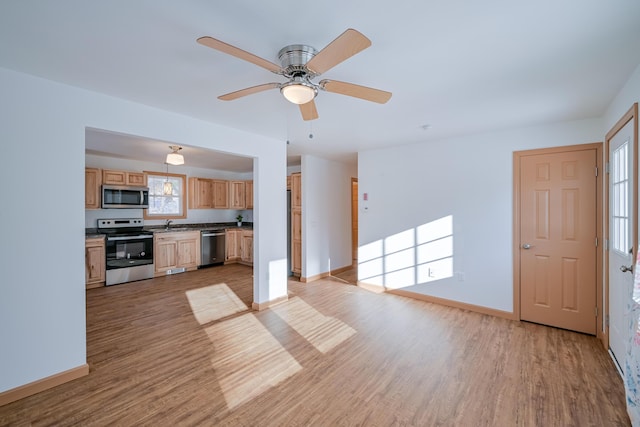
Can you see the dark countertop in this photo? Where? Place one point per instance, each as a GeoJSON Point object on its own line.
{"type": "Point", "coordinates": [200, 227]}
{"type": "Point", "coordinates": [93, 235]}
{"type": "Point", "coordinates": [93, 232]}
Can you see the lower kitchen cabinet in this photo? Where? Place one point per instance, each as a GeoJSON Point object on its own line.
{"type": "Point", "coordinates": [95, 259]}
{"type": "Point", "coordinates": [246, 247]}
{"type": "Point", "coordinates": [233, 238]}
{"type": "Point", "coordinates": [174, 250]}
{"type": "Point", "coordinates": [239, 246]}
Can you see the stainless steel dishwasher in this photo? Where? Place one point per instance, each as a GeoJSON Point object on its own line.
{"type": "Point", "coordinates": [212, 247]}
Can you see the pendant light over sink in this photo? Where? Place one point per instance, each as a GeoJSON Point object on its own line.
{"type": "Point", "coordinates": [167, 188]}
{"type": "Point", "coordinates": [176, 159]}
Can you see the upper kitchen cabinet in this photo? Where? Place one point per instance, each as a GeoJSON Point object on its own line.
{"type": "Point", "coordinates": [248, 194]}
{"type": "Point", "coordinates": [237, 198]}
{"type": "Point", "coordinates": [116, 177]}
{"type": "Point", "coordinates": [200, 193]}
{"type": "Point", "coordinates": [92, 183]}
{"type": "Point", "coordinates": [208, 193]}
{"type": "Point", "coordinates": [220, 194]}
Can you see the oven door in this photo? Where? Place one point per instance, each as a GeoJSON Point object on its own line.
{"type": "Point", "coordinates": [129, 251]}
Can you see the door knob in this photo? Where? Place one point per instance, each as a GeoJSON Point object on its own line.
{"type": "Point", "coordinates": [624, 268]}
{"type": "Point", "coordinates": [526, 246]}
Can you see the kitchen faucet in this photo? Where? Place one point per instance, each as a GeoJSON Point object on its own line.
{"type": "Point", "coordinates": [167, 224]}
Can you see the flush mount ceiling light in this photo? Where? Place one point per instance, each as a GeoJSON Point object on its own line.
{"type": "Point", "coordinates": [299, 91]}
{"type": "Point", "coordinates": [175, 158]}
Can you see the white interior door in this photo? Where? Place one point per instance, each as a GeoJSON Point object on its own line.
{"type": "Point", "coordinates": [621, 238]}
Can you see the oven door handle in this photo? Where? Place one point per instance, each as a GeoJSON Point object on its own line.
{"type": "Point", "coordinates": [143, 236]}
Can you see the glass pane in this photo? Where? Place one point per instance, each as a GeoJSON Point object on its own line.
{"type": "Point", "coordinates": [165, 204]}
{"type": "Point", "coordinates": [620, 199]}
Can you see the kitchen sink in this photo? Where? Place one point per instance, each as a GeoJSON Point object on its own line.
{"type": "Point", "coordinates": [164, 230]}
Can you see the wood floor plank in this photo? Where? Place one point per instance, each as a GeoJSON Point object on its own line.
{"type": "Point", "coordinates": [362, 359]}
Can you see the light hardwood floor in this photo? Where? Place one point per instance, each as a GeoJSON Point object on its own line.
{"type": "Point", "coordinates": [186, 350]}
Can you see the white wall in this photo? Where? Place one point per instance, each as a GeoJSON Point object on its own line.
{"type": "Point", "coordinates": [326, 215]}
{"type": "Point", "coordinates": [42, 291]}
{"type": "Point", "coordinates": [193, 215]}
{"type": "Point", "coordinates": [628, 95]}
{"type": "Point", "coordinates": [469, 178]}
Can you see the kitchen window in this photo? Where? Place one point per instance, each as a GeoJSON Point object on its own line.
{"type": "Point", "coordinates": [166, 206]}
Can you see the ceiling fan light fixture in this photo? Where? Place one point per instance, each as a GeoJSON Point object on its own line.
{"type": "Point", "coordinates": [175, 158]}
{"type": "Point", "coordinates": [298, 92]}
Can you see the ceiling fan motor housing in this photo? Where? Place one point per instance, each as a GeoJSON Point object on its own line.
{"type": "Point", "coordinates": [294, 58]}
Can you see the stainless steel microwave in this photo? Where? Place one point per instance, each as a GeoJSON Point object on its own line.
{"type": "Point", "coordinates": [124, 197]}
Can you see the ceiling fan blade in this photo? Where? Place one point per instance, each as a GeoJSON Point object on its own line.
{"type": "Point", "coordinates": [344, 47]}
{"type": "Point", "coordinates": [309, 111]}
{"type": "Point", "coordinates": [357, 91]}
{"type": "Point", "coordinates": [248, 91]}
{"type": "Point", "coordinates": [239, 53]}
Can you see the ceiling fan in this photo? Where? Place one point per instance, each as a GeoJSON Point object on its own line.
{"type": "Point", "coordinates": [301, 64]}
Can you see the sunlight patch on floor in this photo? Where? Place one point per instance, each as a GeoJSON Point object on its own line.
{"type": "Point", "coordinates": [323, 332]}
{"type": "Point", "coordinates": [245, 368]}
{"type": "Point", "coordinates": [214, 302]}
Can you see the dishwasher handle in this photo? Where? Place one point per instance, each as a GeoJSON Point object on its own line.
{"type": "Point", "coordinates": [212, 234]}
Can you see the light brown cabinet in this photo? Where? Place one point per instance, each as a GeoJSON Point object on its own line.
{"type": "Point", "coordinates": [117, 177]}
{"type": "Point", "coordinates": [92, 183]}
{"type": "Point", "coordinates": [220, 194]}
{"type": "Point", "coordinates": [233, 238]}
{"type": "Point", "coordinates": [207, 193]}
{"type": "Point", "coordinates": [200, 193]}
{"type": "Point", "coordinates": [94, 257]}
{"type": "Point", "coordinates": [239, 246]}
{"type": "Point", "coordinates": [237, 195]}
{"type": "Point", "coordinates": [296, 240]}
{"type": "Point", "coordinates": [296, 190]}
{"type": "Point", "coordinates": [179, 249]}
{"type": "Point", "coordinates": [165, 254]}
{"type": "Point", "coordinates": [246, 247]}
{"type": "Point", "coordinates": [248, 195]}
{"type": "Point", "coordinates": [296, 223]}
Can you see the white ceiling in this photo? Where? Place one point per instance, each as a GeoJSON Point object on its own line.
{"type": "Point", "coordinates": [111, 144]}
{"type": "Point", "coordinates": [459, 66]}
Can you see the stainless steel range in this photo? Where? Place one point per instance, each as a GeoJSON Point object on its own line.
{"type": "Point", "coordinates": [129, 250]}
